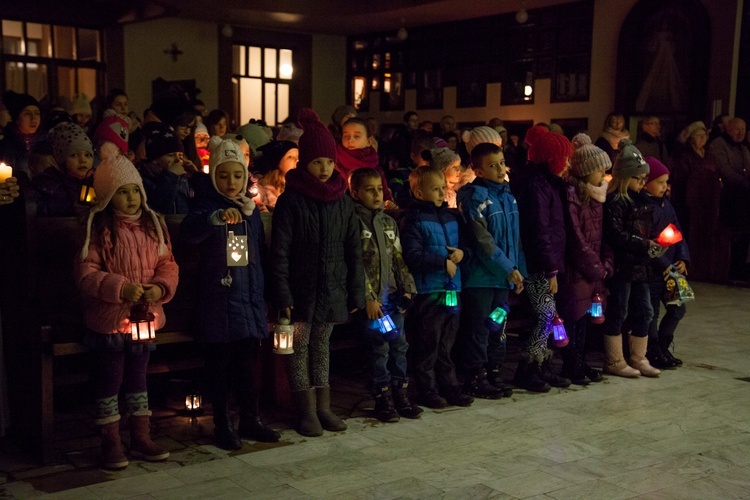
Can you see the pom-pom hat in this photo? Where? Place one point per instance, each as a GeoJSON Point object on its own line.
{"type": "Point", "coordinates": [549, 148]}
{"type": "Point", "coordinates": [113, 128]}
{"type": "Point", "coordinates": [316, 140]}
{"type": "Point", "coordinates": [630, 162]}
{"type": "Point", "coordinates": [225, 151]}
{"type": "Point", "coordinates": [587, 158]}
{"type": "Point", "coordinates": [68, 139]}
{"type": "Point", "coordinates": [482, 134]}
{"type": "Point", "coordinates": [442, 158]}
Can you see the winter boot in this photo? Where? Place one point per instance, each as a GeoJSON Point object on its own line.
{"type": "Point", "coordinates": [141, 445]}
{"type": "Point", "coordinates": [592, 374]}
{"type": "Point", "coordinates": [112, 456]}
{"type": "Point", "coordinates": [403, 405]}
{"type": "Point", "coordinates": [225, 436]}
{"type": "Point", "coordinates": [454, 396]}
{"type": "Point", "coordinates": [529, 374]}
{"type": "Point", "coordinates": [615, 364]}
{"type": "Point", "coordinates": [655, 355]}
{"type": "Point", "coordinates": [549, 373]}
{"type": "Point", "coordinates": [251, 426]}
{"type": "Point", "coordinates": [431, 399]}
{"type": "Point", "coordinates": [494, 378]}
{"type": "Point", "coordinates": [638, 357]}
{"type": "Point", "coordinates": [328, 419]}
{"type": "Point", "coordinates": [664, 344]}
{"type": "Point", "coordinates": [477, 385]}
{"type": "Point", "coordinates": [385, 411]}
{"type": "Point", "coordinates": [308, 424]}
{"type": "Point", "coordinates": [572, 367]}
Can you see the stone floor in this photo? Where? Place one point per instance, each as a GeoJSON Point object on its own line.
{"type": "Point", "coordinates": [684, 435]}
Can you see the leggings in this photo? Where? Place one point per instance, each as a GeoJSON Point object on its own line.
{"type": "Point", "coordinates": [543, 302]}
{"type": "Point", "coordinates": [309, 365]}
{"type": "Point", "coordinates": [113, 370]}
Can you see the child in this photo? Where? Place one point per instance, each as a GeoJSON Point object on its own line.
{"type": "Point", "coordinates": [491, 213]}
{"type": "Point", "coordinates": [430, 237]}
{"type": "Point", "coordinates": [587, 261]}
{"type": "Point", "coordinates": [59, 188]}
{"type": "Point", "coordinates": [80, 111]}
{"type": "Point", "coordinates": [627, 225]}
{"type": "Point", "coordinates": [278, 158]}
{"type": "Point", "coordinates": [543, 238]}
{"type": "Point", "coordinates": [316, 267]}
{"type": "Point", "coordinates": [389, 287]}
{"type": "Point", "coordinates": [125, 259]}
{"type": "Point", "coordinates": [111, 136]}
{"type": "Point", "coordinates": [399, 179]}
{"type": "Point", "coordinates": [449, 163]}
{"type": "Point", "coordinates": [232, 312]}
{"type": "Point", "coordinates": [660, 335]}
{"type": "Point", "coordinates": [355, 151]}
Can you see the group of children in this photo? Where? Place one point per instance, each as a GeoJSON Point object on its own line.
{"type": "Point", "coordinates": [441, 277]}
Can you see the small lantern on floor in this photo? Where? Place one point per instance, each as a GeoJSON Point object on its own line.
{"type": "Point", "coordinates": [495, 320]}
{"type": "Point", "coordinates": [193, 402]}
{"type": "Point", "coordinates": [87, 195]}
{"type": "Point", "coordinates": [283, 337]}
{"type": "Point", "coordinates": [558, 332]}
{"type": "Point", "coordinates": [388, 328]}
{"type": "Point", "coordinates": [142, 329]}
{"type": "Point", "coordinates": [670, 236]}
{"type": "Point", "coordinates": [450, 301]}
{"type": "Point", "coordinates": [596, 311]}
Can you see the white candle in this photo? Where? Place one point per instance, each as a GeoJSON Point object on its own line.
{"type": "Point", "coordinates": [5, 172]}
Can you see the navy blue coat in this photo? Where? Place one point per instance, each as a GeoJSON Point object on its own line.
{"type": "Point", "coordinates": [226, 313]}
{"type": "Point", "coordinates": [664, 215]}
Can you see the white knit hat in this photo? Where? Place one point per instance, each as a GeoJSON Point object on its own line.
{"type": "Point", "coordinates": [587, 158]}
{"type": "Point", "coordinates": [112, 174]}
{"type": "Point", "coordinates": [223, 151]}
{"type": "Point", "coordinates": [482, 134]}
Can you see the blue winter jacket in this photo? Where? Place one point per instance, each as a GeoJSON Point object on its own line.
{"type": "Point", "coordinates": [426, 231]}
{"type": "Point", "coordinates": [491, 213]}
{"type": "Point", "coordinates": [664, 215]}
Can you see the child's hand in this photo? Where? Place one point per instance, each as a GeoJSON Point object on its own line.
{"type": "Point", "coordinates": [516, 278]}
{"type": "Point", "coordinates": [189, 167]}
{"type": "Point", "coordinates": [681, 267]}
{"type": "Point", "coordinates": [132, 292]}
{"type": "Point", "coordinates": [177, 168]}
{"type": "Point", "coordinates": [151, 292]}
{"type": "Point", "coordinates": [455, 254]}
{"type": "Point", "coordinates": [451, 268]}
{"type": "Point", "coordinates": [407, 296]}
{"type": "Point", "coordinates": [374, 309]}
{"type": "Point", "coordinates": [231, 216]}
{"type": "Point", "coordinates": [553, 285]}
{"type": "Point", "coordinates": [518, 289]}
{"type": "Point", "coordinates": [286, 313]}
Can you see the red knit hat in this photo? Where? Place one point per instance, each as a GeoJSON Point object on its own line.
{"type": "Point", "coordinates": [549, 148]}
{"type": "Point", "coordinates": [316, 140]}
{"type": "Point", "coordinates": [656, 169]}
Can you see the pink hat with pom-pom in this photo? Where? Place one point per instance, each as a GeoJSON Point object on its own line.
{"type": "Point", "coordinates": [587, 158]}
{"type": "Point", "coordinates": [316, 140]}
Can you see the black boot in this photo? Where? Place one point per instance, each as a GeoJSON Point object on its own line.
{"type": "Point", "coordinates": [224, 434]}
{"type": "Point", "coordinates": [550, 374]}
{"type": "Point", "coordinates": [592, 374]}
{"type": "Point", "coordinates": [385, 411]}
{"type": "Point", "coordinates": [403, 404]}
{"type": "Point", "coordinates": [529, 374]}
{"type": "Point", "coordinates": [454, 396]}
{"type": "Point", "coordinates": [664, 344]}
{"type": "Point", "coordinates": [655, 355]}
{"type": "Point", "coordinates": [494, 378]}
{"type": "Point", "coordinates": [572, 367]}
{"type": "Point", "coordinates": [478, 386]}
{"type": "Point", "coordinates": [251, 426]}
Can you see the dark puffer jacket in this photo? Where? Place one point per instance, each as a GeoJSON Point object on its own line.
{"type": "Point", "coordinates": [587, 259]}
{"type": "Point", "coordinates": [627, 226]}
{"type": "Point", "coordinates": [57, 194]}
{"type": "Point", "coordinates": [316, 253]}
{"type": "Point", "coordinates": [664, 215]}
{"type": "Point", "coordinates": [227, 313]}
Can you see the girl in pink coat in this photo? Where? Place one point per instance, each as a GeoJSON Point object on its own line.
{"type": "Point", "coordinates": [126, 258]}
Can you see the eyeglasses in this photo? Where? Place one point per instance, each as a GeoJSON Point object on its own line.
{"type": "Point", "coordinates": [640, 180]}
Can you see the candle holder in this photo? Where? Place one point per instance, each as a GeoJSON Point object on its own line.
{"type": "Point", "coordinates": [558, 332]}
{"type": "Point", "coordinates": [194, 403]}
{"type": "Point", "coordinates": [142, 324]}
{"type": "Point", "coordinates": [283, 337]}
{"type": "Point", "coordinates": [596, 311]}
{"type": "Point", "coordinates": [494, 322]}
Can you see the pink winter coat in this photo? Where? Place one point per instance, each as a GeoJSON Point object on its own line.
{"type": "Point", "coordinates": [133, 259]}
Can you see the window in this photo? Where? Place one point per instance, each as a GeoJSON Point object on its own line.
{"type": "Point", "coordinates": [261, 80]}
{"type": "Point", "coordinates": [50, 61]}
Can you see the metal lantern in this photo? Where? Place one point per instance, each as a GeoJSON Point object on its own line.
{"type": "Point", "coordinates": [142, 329]}
{"type": "Point", "coordinates": [596, 311]}
{"type": "Point", "coordinates": [237, 248]}
{"type": "Point", "coordinates": [450, 300]}
{"type": "Point", "coordinates": [558, 332]}
{"type": "Point", "coordinates": [193, 402]}
{"type": "Point", "coordinates": [283, 337]}
{"type": "Point", "coordinates": [387, 327]}
{"type": "Point", "coordinates": [495, 320]}
{"type": "Point", "coordinates": [670, 236]}
{"type": "Point", "coordinates": [87, 195]}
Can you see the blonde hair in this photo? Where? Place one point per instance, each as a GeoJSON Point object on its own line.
{"type": "Point", "coordinates": [419, 174]}
{"type": "Point", "coordinates": [581, 190]}
{"type": "Point", "coordinates": [620, 187]}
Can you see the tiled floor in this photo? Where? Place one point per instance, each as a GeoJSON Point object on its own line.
{"type": "Point", "coordinates": [684, 435]}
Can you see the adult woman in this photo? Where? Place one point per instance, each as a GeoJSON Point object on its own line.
{"type": "Point", "coordinates": [614, 131]}
{"type": "Point", "coordinates": [688, 159]}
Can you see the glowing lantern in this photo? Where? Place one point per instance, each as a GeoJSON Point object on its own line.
{"type": "Point", "coordinates": [88, 195]}
{"type": "Point", "coordinates": [387, 327]}
{"type": "Point", "coordinates": [558, 332]}
{"type": "Point", "coordinates": [283, 337]}
{"type": "Point", "coordinates": [450, 301]}
{"type": "Point", "coordinates": [193, 402]}
{"type": "Point", "coordinates": [670, 236]}
{"type": "Point", "coordinates": [142, 324]}
{"type": "Point", "coordinates": [596, 311]}
{"type": "Point", "coordinates": [237, 248]}
{"type": "Point", "coordinates": [495, 320]}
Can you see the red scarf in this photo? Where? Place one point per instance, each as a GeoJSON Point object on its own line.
{"type": "Point", "coordinates": [349, 160]}
{"type": "Point", "coordinates": [302, 181]}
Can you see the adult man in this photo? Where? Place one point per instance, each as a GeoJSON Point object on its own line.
{"type": "Point", "coordinates": [650, 142]}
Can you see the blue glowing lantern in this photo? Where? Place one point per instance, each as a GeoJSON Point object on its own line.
{"type": "Point", "coordinates": [494, 322]}
{"type": "Point", "coordinates": [388, 328]}
{"type": "Point", "coordinates": [596, 311]}
{"type": "Point", "coordinates": [558, 332]}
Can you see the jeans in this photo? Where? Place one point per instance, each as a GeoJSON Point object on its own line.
{"type": "Point", "coordinates": [482, 347]}
{"type": "Point", "coordinates": [387, 358]}
{"type": "Point", "coordinates": [631, 301]}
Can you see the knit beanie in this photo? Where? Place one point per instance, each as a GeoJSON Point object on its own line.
{"type": "Point", "coordinates": [587, 158]}
{"type": "Point", "coordinates": [113, 128]}
{"type": "Point", "coordinates": [482, 134]}
{"type": "Point", "coordinates": [440, 142]}
{"type": "Point", "coordinates": [161, 139]}
{"type": "Point", "coordinates": [629, 163]}
{"type": "Point", "coordinates": [689, 130]}
{"type": "Point", "coordinates": [109, 176]}
{"type": "Point", "coordinates": [15, 103]}
{"type": "Point", "coordinates": [67, 139]}
{"type": "Point", "coordinates": [340, 112]}
{"type": "Point", "coordinates": [256, 134]}
{"type": "Point", "coordinates": [656, 169]}
{"type": "Point", "coordinates": [289, 132]}
{"type": "Point", "coordinates": [316, 140]}
{"type": "Point", "coordinates": [549, 148]}
{"type": "Point", "coordinates": [273, 152]}
{"type": "Point", "coordinates": [80, 105]}
{"type": "Point", "coordinates": [200, 128]}
{"type": "Point", "coordinates": [224, 151]}
{"type": "Point", "coordinates": [442, 158]}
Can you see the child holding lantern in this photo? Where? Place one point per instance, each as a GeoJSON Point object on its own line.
{"type": "Point", "coordinates": [661, 334]}
{"type": "Point", "coordinates": [126, 260]}
{"type": "Point", "coordinates": [232, 318]}
{"type": "Point", "coordinates": [316, 267]}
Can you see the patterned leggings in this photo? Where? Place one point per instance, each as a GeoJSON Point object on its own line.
{"type": "Point", "coordinates": [543, 302]}
{"type": "Point", "coordinates": [308, 366]}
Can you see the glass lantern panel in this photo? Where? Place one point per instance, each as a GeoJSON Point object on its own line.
{"type": "Point", "coordinates": [269, 63]}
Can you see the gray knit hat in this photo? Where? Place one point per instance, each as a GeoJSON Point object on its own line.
{"type": "Point", "coordinates": [629, 163]}
{"type": "Point", "coordinates": [482, 134]}
{"type": "Point", "coordinates": [587, 158]}
{"type": "Point", "coordinates": [443, 157]}
{"type": "Point", "coordinates": [67, 139]}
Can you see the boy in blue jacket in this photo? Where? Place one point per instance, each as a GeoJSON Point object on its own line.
{"type": "Point", "coordinates": [430, 239]}
{"type": "Point", "coordinates": [491, 214]}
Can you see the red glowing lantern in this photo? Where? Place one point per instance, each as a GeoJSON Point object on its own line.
{"type": "Point", "coordinates": [669, 236]}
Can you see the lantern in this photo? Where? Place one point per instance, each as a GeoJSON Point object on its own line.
{"type": "Point", "coordinates": [87, 196]}
{"type": "Point", "coordinates": [670, 236]}
{"type": "Point", "coordinates": [596, 311]}
{"type": "Point", "coordinates": [387, 327]}
{"type": "Point", "coordinates": [283, 337]}
{"type": "Point", "coordinates": [142, 324]}
{"type": "Point", "coordinates": [237, 247]}
{"type": "Point", "coordinates": [495, 320]}
{"type": "Point", "coordinates": [450, 300]}
{"type": "Point", "coordinates": [193, 402]}
{"type": "Point", "coordinates": [5, 172]}
{"type": "Point", "coordinates": [558, 332]}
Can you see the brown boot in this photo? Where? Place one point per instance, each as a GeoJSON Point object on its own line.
{"type": "Point", "coordinates": [112, 456]}
{"type": "Point", "coordinates": [308, 423]}
{"type": "Point", "coordinates": [141, 445]}
{"type": "Point", "coordinates": [328, 419]}
{"type": "Point", "coordinates": [638, 360]}
{"type": "Point", "coordinates": [616, 364]}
